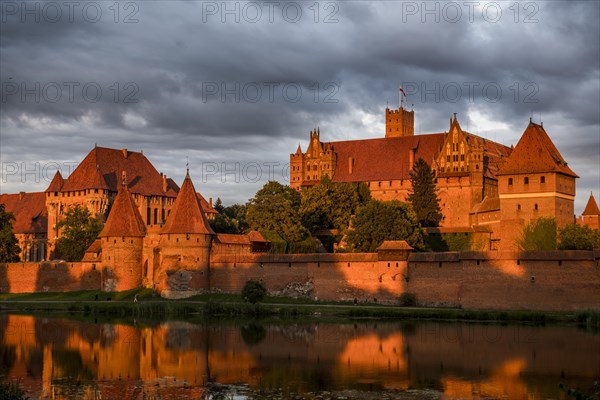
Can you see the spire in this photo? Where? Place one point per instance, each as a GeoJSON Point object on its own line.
{"type": "Point", "coordinates": [592, 207]}
{"type": "Point", "coordinates": [57, 183]}
{"type": "Point", "coordinates": [187, 215]}
{"type": "Point", "coordinates": [299, 149]}
{"type": "Point", "coordinates": [124, 219]}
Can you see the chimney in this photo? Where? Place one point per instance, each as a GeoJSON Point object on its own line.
{"type": "Point", "coordinates": [124, 152]}
{"type": "Point", "coordinates": [411, 158]}
{"type": "Point", "coordinates": [350, 165]}
{"type": "Point", "coordinates": [21, 195]}
{"type": "Point", "coordinates": [210, 202]}
{"type": "Point", "coordinates": [164, 182]}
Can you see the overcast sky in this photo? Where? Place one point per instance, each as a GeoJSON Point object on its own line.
{"type": "Point", "coordinates": [234, 87]}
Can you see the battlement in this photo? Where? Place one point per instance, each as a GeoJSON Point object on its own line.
{"type": "Point", "coordinates": [399, 123]}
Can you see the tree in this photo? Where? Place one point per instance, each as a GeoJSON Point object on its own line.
{"type": "Point", "coordinates": [577, 237]}
{"type": "Point", "coordinates": [9, 245]}
{"type": "Point", "coordinates": [384, 220]}
{"type": "Point", "coordinates": [423, 195]}
{"type": "Point", "coordinates": [253, 292]}
{"type": "Point", "coordinates": [219, 205]}
{"type": "Point", "coordinates": [331, 205]}
{"type": "Point", "coordinates": [79, 230]}
{"type": "Point", "coordinates": [223, 224]}
{"type": "Point", "coordinates": [275, 208]}
{"type": "Point", "coordinates": [539, 234]}
{"type": "Point", "coordinates": [238, 212]}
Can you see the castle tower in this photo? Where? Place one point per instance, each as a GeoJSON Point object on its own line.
{"type": "Point", "coordinates": [122, 243]}
{"type": "Point", "coordinates": [591, 214]}
{"type": "Point", "coordinates": [399, 123]}
{"type": "Point", "coordinates": [53, 205]}
{"type": "Point", "coordinates": [307, 169]}
{"type": "Point", "coordinates": [185, 243]}
{"type": "Point", "coordinates": [535, 181]}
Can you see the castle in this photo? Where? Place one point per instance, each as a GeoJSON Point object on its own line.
{"type": "Point", "coordinates": [483, 187]}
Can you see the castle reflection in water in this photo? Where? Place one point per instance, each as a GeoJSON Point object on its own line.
{"type": "Point", "coordinates": [60, 358]}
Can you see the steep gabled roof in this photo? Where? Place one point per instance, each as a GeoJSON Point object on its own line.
{"type": "Point", "coordinates": [383, 158]}
{"type": "Point", "coordinates": [29, 210]}
{"type": "Point", "coordinates": [124, 219]}
{"type": "Point", "coordinates": [592, 207]}
{"type": "Point", "coordinates": [206, 207]}
{"type": "Point", "coordinates": [57, 183]}
{"type": "Point", "coordinates": [187, 215]}
{"type": "Point", "coordinates": [102, 168]}
{"type": "Point", "coordinates": [535, 153]}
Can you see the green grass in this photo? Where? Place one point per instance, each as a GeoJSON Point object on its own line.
{"type": "Point", "coordinates": [224, 305]}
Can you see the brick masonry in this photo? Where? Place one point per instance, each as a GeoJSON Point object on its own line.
{"type": "Point", "coordinates": [557, 280]}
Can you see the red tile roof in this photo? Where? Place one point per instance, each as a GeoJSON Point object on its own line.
{"type": "Point", "coordinates": [535, 153]}
{"type": "Point", "coordinates": [228, 238]}
{"type": "Point", "coordinates": [187, 215]}
{"type": "Point", "coordinates": [488, 204]}
{"type": "Point", "coordinates": [494, 154]}
{"type": "Point", "coordinates": [256, 236]}
{"type": "Point", "coordinates": [29, 210]}
{"type": "Point", "coordinates": [102, 168]}
{"type": "Point", "coordinates": [395, 245]}
{"type": "Point", "coordinates": [592, 207]}
{"type": "Point", "coordinates": [383, 158]}
{"type": "Point", "coordinates": [208, 209]}
{"type": "Point", "coordinates": [57, 183]}
{"type": "Point", "coordinates": [124, 219]}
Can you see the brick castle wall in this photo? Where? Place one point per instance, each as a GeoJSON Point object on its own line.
{"type": "Point", "coordinates": [49, 277]}
{"type": "Point", "coordinates": [557, 280]}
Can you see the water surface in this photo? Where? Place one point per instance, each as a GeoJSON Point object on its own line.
{"type": "Point", "coordinates": [70, 359]}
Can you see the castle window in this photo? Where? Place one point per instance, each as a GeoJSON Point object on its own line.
{"type": "Point", "coordinates": [510, 181]}
{"type": "Point", "coordinates": [448, 158]}
{"type": "Point", "coordinates": [156, 216]}
{"type": "Point", "coordinates": [390, 183]}
{"type": "Point", "coordinates": [543, 179]}
{"type": "Point", "coordinates": [148, 215]}
{"type": "Point", "coordinates": [462, 157]}
{"type": "Point", "coordinates": [379, 184]}
{"type": "Point", "coordinates": [535, 207]}
{"type": "Point", "coordinates": [477, 167]}
{"type": "Point", "coordinates": [526, 180]}
{"type": "Point", "coordinates": [518, 207]}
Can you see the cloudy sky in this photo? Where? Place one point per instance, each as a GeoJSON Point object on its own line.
{"type": "Point", "coordinates": [234, 87]}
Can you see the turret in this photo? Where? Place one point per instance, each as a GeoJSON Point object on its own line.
{"type": "Point", "coordinates": [122, 244]}
{"type": "Point", "coordinates": [185, 243]}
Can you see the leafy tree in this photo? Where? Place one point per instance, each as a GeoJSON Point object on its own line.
{"type": "Point", "coordinates": [253, 292]}
{"type": "Point", "coordinates": [238, 212]}
{"type": "Point", "coordinates": [9, 245]}
{"type": "Point", "coordinates": [423, 195]}
{"type": "Point", "coordinates": [384, 220]}
{"type": "Point", "coordinates": [79, 230]}
{"type": "Point", "coordinates": [223, 224]}
{"type": "Point", "coordinates": [577, 237]}
{"type": "Point", "coordinates": [539, 234]}
{"type": "Point", "coordinates": [331, 205]}
{"type": "Point", "coordinates": [219, 205]}
{"type": "Point", "coordinates": [275, 208]}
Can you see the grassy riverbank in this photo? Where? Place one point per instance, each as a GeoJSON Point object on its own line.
{"type": "Point", "coordinates": [121, 304]}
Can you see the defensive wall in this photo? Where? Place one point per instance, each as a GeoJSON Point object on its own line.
{"type": "Point", "coordinates": [554, 280]}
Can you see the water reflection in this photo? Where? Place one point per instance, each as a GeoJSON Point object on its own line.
{"type": "Point", "coordinates": [58, 358]}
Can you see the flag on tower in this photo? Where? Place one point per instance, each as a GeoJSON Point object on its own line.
{"type": "Point", "coordinates": [402, 91]}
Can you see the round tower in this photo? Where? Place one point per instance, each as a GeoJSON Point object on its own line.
{"type": "Point", "coordinates": [185, 243]}
{"type": "Point", "coordinates": [122, 242]}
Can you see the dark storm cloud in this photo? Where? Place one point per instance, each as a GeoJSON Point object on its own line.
{"type": "Point", "coordinates": [167, 64]}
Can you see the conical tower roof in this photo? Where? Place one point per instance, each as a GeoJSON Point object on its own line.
{"type": "Point", "coordinates": [592, 207]}
{"type": "Point", "coordinates": [124, 218]}
{"type": "Point", "coordinates": [187, 215]}
{"type": "Point", "coordinates": [57, 183]}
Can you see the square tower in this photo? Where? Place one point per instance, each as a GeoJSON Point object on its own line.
{"type": "Point", "coordinates": [399, 123]}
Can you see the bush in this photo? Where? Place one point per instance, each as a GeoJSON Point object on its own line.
{"type": "Point", "coordinates": [407, 299]}
{"type": "Point", "coordinates": [577, 237]}
{"type": "Point", "coordinates": [539, 234]}
{"type": "Point", "coordinates": [253, 292]}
